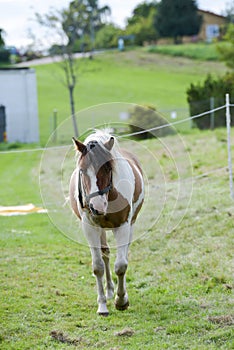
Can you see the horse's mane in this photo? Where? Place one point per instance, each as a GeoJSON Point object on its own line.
{"type": "Point", "coordinates": [97, 153]}
{"type": "Point", "coordinates": [102, 136]}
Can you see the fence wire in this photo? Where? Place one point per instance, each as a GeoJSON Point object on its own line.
{"type": "Point", "coordinates": [127, 135]}
{"type": "Point", "coordinates": [174, 123]}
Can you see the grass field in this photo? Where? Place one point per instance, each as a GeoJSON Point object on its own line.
{"type": "Point", "coordinates": [131, 77]}
{"type": "Point", "coordinates": [180, 276]}
{"type": "Point", "coordinates": [179, 283]}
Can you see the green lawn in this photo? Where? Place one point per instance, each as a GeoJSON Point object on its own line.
{"type": "Point", "coordinates": [180, 276]}
{"type": "Point", "coordinates": [179, 283]}
{"type": "Point", "coordinates": [128, 77]}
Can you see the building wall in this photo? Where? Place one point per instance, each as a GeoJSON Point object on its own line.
{"type": "Point", "coordinates": [18, 93]}
{"type": "Point", "coordinates": [209, 18]}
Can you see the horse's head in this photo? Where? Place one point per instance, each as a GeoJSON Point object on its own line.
{"type": "Point", "coordinates": [95, 166]}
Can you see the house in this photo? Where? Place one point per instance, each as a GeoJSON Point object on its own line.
{"type": "Point", "coordinates": [211, 27]}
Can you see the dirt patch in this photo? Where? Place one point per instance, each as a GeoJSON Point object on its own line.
{"type": "Point", "coordinates": [63, 338]}
{"type": "Point", "coordinates": [126, 332]}
{"type": "Point", "coordinates": [226, 320]}
{"type": "Point", "coordinates": [159, 329]}
{"type": "Point", "coordinates": [147, 59]}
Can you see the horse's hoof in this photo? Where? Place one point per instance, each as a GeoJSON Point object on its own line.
{"type": "Point", "coordinates": [122, 307]}
{"type": "Point", "coordinates": [103, 314]}
{"type": "Point", "coordinates": [102, 310]}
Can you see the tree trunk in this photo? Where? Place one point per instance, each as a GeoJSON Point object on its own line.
{"type": "Point", "coordinates": [72, 105]}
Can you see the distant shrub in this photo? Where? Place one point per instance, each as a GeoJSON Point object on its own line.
{"type": "Point", "coordinates": [4, 55]}
{"type": "Point", "coordinates": [146, 117]}
{"type": "Point", "coordinates": [198, 97]}
{"type": "Point", "coordinates": [107, 37]}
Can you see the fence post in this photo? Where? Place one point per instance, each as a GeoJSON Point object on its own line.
{"type": "Point", "coordinates": [228, 122]}
{"type": "Point", "coordinates": [212, 113]}
{"type": "Point", "coordinates": [55, 125]}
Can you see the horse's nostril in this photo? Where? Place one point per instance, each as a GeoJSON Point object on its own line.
{"type": "Point", "coordinates": [93, 211]}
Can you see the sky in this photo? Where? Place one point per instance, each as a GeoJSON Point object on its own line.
{"type": "Point", "coordinates": [16, 15]}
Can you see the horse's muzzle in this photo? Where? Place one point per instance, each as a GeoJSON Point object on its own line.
{"type": "Point", "coordinates": [95, 212]}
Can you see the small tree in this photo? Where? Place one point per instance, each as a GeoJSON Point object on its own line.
{"type": "Point", "coordinates": [54, 22]}
{"type": "Point", "coordinates": [84, 18]}
{"type": "Point", "coordinates": [177, 18]}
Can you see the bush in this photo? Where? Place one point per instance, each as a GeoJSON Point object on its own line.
{"type": "Point", "coordinates": [107, 37]}
{"type": "Point", "coordinates": [198, 97]}
{"type": "Point", "coordinates": [226, 52]}
{"type": "Point", "coordinates": [146, 117]}
{"type": "Point", "coordinates": [4, 56]}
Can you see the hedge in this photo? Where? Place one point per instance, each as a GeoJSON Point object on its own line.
{"type": "Point", "coordinates": [199, 99]}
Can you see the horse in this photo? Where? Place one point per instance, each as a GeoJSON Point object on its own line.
{"type": "Point", "coordinates": [106, 193]}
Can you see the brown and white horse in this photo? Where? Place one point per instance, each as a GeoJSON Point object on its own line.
{"type": "Point", "coordinates": [106, 193]}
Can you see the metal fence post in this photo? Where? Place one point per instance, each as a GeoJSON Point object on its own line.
{"type": "Point", "coordinates": [212, 100]}
{"type": "Point", "coordinates": [228, 122]}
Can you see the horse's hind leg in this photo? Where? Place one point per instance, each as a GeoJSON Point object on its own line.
{"type": "Point", "coordinates": [106, 259]}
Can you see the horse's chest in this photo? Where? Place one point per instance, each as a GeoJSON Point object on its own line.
{"type": "Point", "coordinates": [118, 212]}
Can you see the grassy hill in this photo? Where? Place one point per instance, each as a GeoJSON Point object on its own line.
{"type": "Point", "coordinates": [131, 77]}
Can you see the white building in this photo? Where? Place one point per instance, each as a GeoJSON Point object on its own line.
{"type": "Point", "coordinates": [18, 94]}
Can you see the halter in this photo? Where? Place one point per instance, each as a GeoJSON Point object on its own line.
{"type": "Point", "coordinates": [91, 195]}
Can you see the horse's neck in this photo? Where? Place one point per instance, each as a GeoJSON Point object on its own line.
{"type": "Point", "coordinates": [123, 177]}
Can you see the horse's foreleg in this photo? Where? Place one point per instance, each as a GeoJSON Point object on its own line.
{"type": "Point", "coordinates": [106, 259]}
{"type": "Point", "coordinates": [93, 235]}
{"type": "Point", "coordinates": [123, 239]}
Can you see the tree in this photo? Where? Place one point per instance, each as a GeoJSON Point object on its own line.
{"type": "Point", "coordinates": [177, 18]}
{"type": "Point", "coordinates": [229, 11]}
{"type": "Point", "coordinates": [65, 27]}
{"type": "Point", "coordinates": [2, 43]}
{"type": "Point", "coordinates": [53, 21]}
{"type": "Point", "coordinates": [84, 17]}
{"type": "Point", "coordinates": [4, 53]}
{"type": "Point", "coordinates": [141, 24]}
{"type": "Point", "coordinates": [226, 52]}
{"type": "Point", "coordinates": [142, 10]}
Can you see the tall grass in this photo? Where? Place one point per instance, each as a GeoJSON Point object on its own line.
{"type": "Point", "coordinates": [201, 51]}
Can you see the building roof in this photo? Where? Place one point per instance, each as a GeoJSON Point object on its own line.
{"type": "Point", "coordinates": [211, 13]}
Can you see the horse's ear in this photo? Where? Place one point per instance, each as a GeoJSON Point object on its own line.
{"type": "Point", "coordinates": [110, 143]}
{"type": "Point", "coordinates": [79, 145]}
